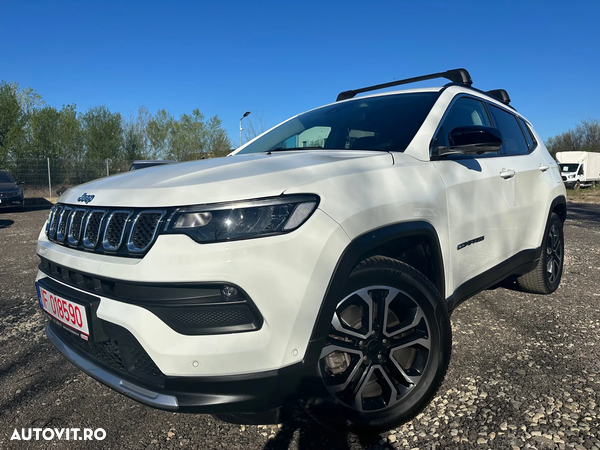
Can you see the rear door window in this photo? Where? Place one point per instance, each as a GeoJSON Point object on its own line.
{"type": "Point", "coordinates": [531, 142]}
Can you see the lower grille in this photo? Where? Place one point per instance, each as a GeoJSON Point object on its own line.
{"type": "Point", "coordinates": [205, 317]}
{"type": "Point", "coordinates": [121, 352]}
{"type": "Point", "coordinates": [225, 317]}
{"type": "Point", "coordinates": [189, 309]}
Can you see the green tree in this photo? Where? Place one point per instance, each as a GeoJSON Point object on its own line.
{"type": "Point", "coordinates": [584, 137]}
{"type": "Point", "coordinates": [133, 145]}
{"type": "Point", "coordinates": [255, 126]}
{"type": "Point", "coordinates": [10, 119]}
{"type": "Point", "coordinates": [70, 133]}
{"type": "Point", "coordinates": [30, 101]}
{"type": "Point", "coordinates": [135, 139]}
{"type": "Point", "coordinates": [141, 128]}
{"type": "Point", "coordinates": [102, 133]}
{"type": "Point", "coordinates": [188, 138]}
{"type": "Point", "coordinates": [219, 143]}
{"type": "Point", "coordinates": [157, 131]}
{"type": "Point", "coordinates": [43, 130]}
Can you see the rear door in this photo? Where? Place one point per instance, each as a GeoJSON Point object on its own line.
{"type": "Point", "coordinates": [533, 179]}
{"type": "Point", "coordinates": [481, 196]}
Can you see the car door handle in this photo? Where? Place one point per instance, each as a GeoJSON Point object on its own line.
{"type": "Point", "coordinates": [507, 173]}
{"type": "Point", "coordinates": [544, 167]}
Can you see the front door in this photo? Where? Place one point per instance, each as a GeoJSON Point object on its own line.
{"type": "Point", "coordinates": [481, 197]}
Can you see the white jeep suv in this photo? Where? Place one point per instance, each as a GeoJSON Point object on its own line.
{"type": "Point", "coordinates": [315, 266]}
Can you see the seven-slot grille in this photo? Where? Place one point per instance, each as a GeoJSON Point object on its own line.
{"type": "Point", "coordinates": [123, 232]}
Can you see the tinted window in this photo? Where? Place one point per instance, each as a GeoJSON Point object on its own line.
{"type": "Point", "coordinates": [513, 141]}
{"type": "Point", "coordinates": [464, 112]}
{"type": "Point", "coordinates": [531, 142]}
{"type": "Point", "coordinates": [5, 178]}
{"type": "Point", "coordinates": [386, 123]}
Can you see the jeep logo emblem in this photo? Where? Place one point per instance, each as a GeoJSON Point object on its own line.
{"type": "Point", "coordinates": [86, 198]}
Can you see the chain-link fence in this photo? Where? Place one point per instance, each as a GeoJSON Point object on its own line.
{"type": "Point", "coordinates": [49, 177]}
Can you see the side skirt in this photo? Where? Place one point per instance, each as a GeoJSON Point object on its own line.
{"type": "Point", "coordinates": [518, 264]}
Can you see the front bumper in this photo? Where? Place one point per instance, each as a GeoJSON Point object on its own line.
{"type": "Point", "coordinates": [12, 201]}
{"type": "Point", "coordinates": [285, 276]}
{"type": "Point", "coordinates": [254, 393]}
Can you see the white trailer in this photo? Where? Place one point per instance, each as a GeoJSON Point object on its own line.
{"type": "Point", "coordinates": [579, 169]}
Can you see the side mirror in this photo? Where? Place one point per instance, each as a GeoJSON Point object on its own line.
{"type": "Point", "coordinates": [473, 139]}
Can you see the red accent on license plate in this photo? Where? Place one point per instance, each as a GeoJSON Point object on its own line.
{"type": "Point", "coordinates": [65, 311]}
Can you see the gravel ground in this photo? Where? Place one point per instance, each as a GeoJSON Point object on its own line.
{"type": "Point", "coordinates": [524, 372]}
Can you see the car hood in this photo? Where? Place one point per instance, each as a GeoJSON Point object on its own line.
{"type": "Point", "coordinates": [215, 180]}
{"type": "Point", "coordinates": [5, 187]}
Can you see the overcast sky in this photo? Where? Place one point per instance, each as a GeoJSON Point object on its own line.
{"type": "Point", "coordinates": [280, 58]}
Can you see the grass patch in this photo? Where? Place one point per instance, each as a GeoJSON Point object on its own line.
{"type": "Point", "coordinates": [591, 194]}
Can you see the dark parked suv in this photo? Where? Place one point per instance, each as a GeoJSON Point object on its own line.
{"type": "Point", "coordinates": [10, 193]}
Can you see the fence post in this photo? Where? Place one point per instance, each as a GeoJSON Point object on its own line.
{"type": "Point", "coordinates": [49, 179]}
{"type": "Point", "coordinates": [107, 160]}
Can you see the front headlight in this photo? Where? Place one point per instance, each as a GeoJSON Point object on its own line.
{"type": "Point", "coordinates": [242, 220]}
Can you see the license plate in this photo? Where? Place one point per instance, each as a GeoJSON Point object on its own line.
{"type": "Point", "coordinates": [65, 311]}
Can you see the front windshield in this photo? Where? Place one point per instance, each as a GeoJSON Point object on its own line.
{"type": "Point", "coordinates": [5, 178]}
{"type": "Point", "coordinates": [385, 123]}
{"type": "Point", "coordinates": [568, 167]}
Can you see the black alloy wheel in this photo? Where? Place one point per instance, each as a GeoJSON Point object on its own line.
{"type": "Point", "coordinates": [387, 350]}
{"type": "Point", "coordinates": [377, 349]}
{"type": "Point", "coordinates": [545, 277]}
{"type": "Point", "coordinates": [554, 254]}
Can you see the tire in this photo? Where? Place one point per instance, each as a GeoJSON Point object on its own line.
{"type": "Point", "coordinates": [576, 186]}
{"type": "Point", "coordinates": [546, 276]}
{"type": "Point", "coordinates": [387, 352]}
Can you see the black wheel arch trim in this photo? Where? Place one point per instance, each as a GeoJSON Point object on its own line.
{"type": "Point", "coordinates": [351, 257]}
{"type": "Point", "coordinates": [562, 202]}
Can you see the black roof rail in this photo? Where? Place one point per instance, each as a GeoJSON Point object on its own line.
{"type": "Point", "coordinates": [499, 94]}
{"type": "Point", "coordinates": [458, 76]}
